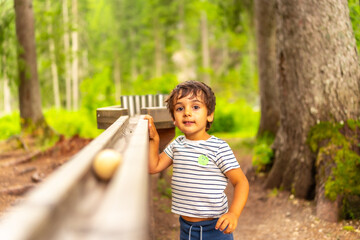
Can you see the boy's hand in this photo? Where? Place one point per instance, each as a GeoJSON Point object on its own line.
{"type": "Point", "coordinates": [153, 134]}
{"type": "Point", "coordinates": [229, 221]}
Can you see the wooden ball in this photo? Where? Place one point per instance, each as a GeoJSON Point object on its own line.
{"type": "Point", "coordinates": [106, 162]}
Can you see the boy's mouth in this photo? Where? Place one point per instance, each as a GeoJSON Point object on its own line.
{"type": "Point", "coordinates": [188, 122]}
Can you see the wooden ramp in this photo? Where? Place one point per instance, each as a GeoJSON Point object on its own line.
{"type": "Point", "coordinates": [73, 204]}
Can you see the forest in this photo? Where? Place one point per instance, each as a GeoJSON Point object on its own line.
{"type": "Point", "coordinates": [285, 73]}
{"type": "Point", "coordinates": [89, 53]}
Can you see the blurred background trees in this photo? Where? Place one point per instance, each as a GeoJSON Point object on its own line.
{"type": "Point", "coordinates": [91, 52]}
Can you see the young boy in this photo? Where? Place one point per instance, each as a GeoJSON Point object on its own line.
{"type": "Point", "coordinates": [202, 165]}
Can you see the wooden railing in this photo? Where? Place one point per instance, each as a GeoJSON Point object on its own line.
{"type": "Point", "coordinates": [73, 204]}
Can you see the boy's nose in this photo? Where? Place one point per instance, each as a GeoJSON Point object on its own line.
{"type": "Point", "coordinates": [187, 112]}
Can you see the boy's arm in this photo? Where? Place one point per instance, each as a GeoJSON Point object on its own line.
{"type": "Point", "coordinates": [241, 192]}
{"type": "Point", "coordinates": [157, 162]}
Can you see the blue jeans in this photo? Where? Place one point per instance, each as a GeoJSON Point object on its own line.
{"type": "Point", "coordinates": [204, 230]}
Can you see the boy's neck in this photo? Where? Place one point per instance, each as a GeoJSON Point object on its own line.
{"type": "Point", "coordinates": [198, 137]}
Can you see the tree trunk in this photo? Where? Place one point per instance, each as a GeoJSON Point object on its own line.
{"type": "Point", "coordinates": [158, 50]}
{"type": "Point", "coordinates": [265, 22]}
{"type": "Point", "coordinates": [75, 57]}
{"type": "Point", "coordinates": [84, 66]}
{"type": "Point", "coordinates": [54, 71]}
{"type": "Point", "coordinates": [181, 25]}
{"type": "Point", "coordinates": [29, 88]}
{"type": "Point", "coordinates": [67, 52]}
{"type": "Point", "coordinates": [6, 87]}
{"type": "Point", "coordinates": [326, 209]}
{"type": "Point", "coordinates": [223, 67]}
{"type": "Point", "coordinates": [205, 52]}
{"type": "Point", "coordinates": [7, 96]}
{"type": "Point", "coordinates": [318, 79]}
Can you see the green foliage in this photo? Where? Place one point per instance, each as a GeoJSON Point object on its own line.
{"type": "Point", "coordinates": [345, 176]}
{"type": "Point", "coordinates": [353, 124]}
{"type": "Point", "coordinates": [8, 43]}
{"type": "Point", "coordinates": [274, 192]}
{"type": "Point", "coordinates": [354, 7]}
{"type": "Point", "coordinates": [70, 123]}
{"type": "Point", "coordinates": [339, 141]}
{"type": "Point", "coordinates": [127, 36]}
{"type": "Point", "coordinates": [163, 84]}
{"type": "Point", "coordinates": [224, 117]}
{"type": "Point", "coordinates": [235, 116]}
{"type": "Point", "coordinates": [351, 207]}
{"type": "Point", "coordinates": [6, 22]}
{"type": "Point", "coordinates": [348, 228]}
{"type": "Point", "coordinates": [97, 91]}
{"type": "Point", "coordinates": [263, 153]}
{"type": "Point", "coordinates": [323, 131]}
{"type": "Point", "coordinates": [8, 126]}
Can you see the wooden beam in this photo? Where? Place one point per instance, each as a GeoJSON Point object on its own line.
{"type": "Point", "coordinates": [124, 213]}
{"type": "Point", "coordinates": [161, 115]}
{"type": "Point", "coordinates": [108, 115]}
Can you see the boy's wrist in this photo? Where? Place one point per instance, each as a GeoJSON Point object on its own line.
{"type": "Point", "coordinates": [234, 214]}
{"type": "Point", "coordinates": [155, 138]}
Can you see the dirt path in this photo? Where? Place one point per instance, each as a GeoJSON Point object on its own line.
{"type": "Point", "coordinates": [273, 216]}
{"type": "Point", "coordinates": [22, 170]}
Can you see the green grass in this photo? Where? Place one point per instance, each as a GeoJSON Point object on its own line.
{"type": "Point", "coordinates": [70, 123]}
{"type": "Point", "coordinates": [67, 123]}
{"type": "Point", "coordinates": [9, 125]}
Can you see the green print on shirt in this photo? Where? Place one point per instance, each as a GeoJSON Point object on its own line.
{"type": "Point", "coordinates": [203, 160]}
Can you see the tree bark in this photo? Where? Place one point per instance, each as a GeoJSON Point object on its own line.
{"type": "Point", "coordinates": [84, 66]}
{"type": "Point", "coordinates": [158, 50]}
{"type": "Point", "coordinates": [318, 79]}
{"type": "Point", "coordinates": [6, 87]}
{"type": "Point", "coordinates": [29, 88]}
{"type": "Point", "coordinates": [205, 52]}
{"type": "Point", "coordinates": [265, 22]}
{"type": "Point", "coordinates": [54, 71]}
{"type": "Point", "coordinates": [66, 56]}
{"type": "Point", "coordinates": [7, 96]}
{"type": "Point", "coordinates": [223, 67]}
{"type": "Point", "coordinates": [326, 209]}
{"type": "Point", "coordinates": [75, 57]}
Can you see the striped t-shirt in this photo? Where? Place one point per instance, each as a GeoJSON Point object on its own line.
{"type": "Point", "coordinates": [199, 180]}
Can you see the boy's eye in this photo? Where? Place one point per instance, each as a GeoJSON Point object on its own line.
{"type": "Point", "coordinates": [179, 109]}
{"type": "Point", "coordinates": [196, 107]}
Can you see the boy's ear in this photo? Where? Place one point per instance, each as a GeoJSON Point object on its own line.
{"type": "Point", "coordinates": [210, 118]}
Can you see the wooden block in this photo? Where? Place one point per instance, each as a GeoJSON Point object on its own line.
{"type": "Point", "coordinates": [161, 116]}
{"type": "Point", "coordinates": [108, 115]}
{"type": "Point", "coordinates": [166, 135]}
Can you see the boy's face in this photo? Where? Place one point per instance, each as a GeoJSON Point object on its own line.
{"type": "Point", "coordinates": [191, 117]}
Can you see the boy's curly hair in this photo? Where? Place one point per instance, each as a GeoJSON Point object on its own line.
{"type": "Point", "coordinates": [194, 89]}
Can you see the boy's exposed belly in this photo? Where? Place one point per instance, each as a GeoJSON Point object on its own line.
{"type": "Point", "coordinates": [194, 219]}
